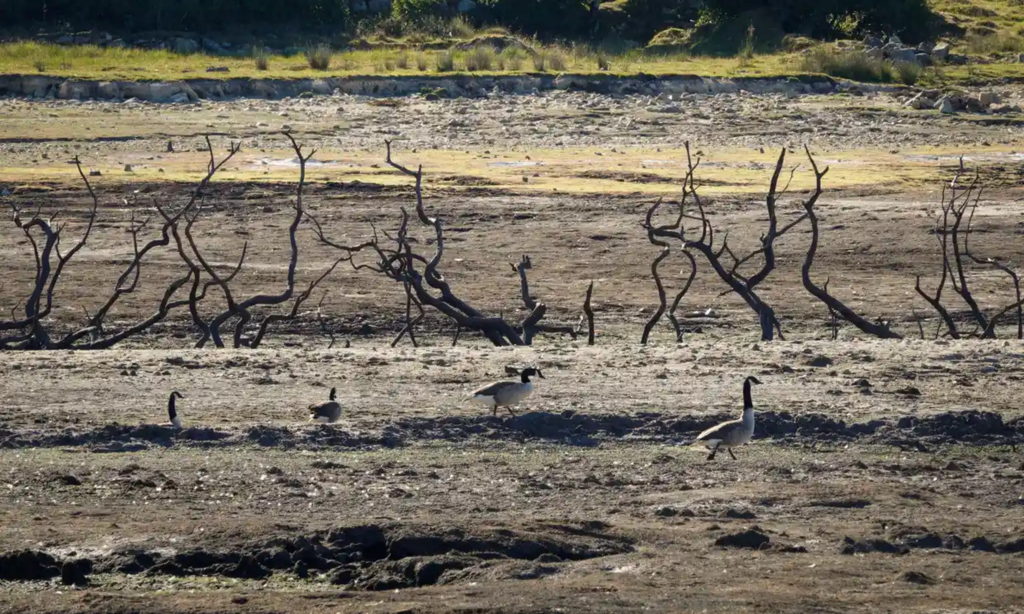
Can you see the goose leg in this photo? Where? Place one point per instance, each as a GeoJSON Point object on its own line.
{"type": "Point", "coordinates": [509, 408]}
{"type": "Point", "coordinates": [730, 453]}
{"type": "Point", "coordinates": [714, 451]}
{"type": "Point", "coordinates": [494, 410]}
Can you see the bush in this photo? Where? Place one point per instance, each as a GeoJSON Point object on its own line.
{"type": "Point", "coordinates": [855, 65]}
{"type": "Point", "coordinates": [911, 19]}
{"type": "Point", "coordinates": [445, 61]}
{"type": "Point", "coordinates": [415, 10]}
{"type": "Point", "coordinates": [319, 57]}
{"type": "Point", "coordinates": [190, 15]}
{"type": "Point", "coordinates": [571, 18]}
{"type": "Point", "coordinates": [261, 57]}
{"type": "Point", "coordinates": [908, 72]}
{"type": "Point", "coordinates": [480, 58]}
{"type": "Point", "coordinates": [513, 57]}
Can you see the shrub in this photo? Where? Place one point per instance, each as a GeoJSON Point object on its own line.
{"type": "Point", "coordinates": [261, 57]}
{"type": "Point", "coordinates": [421, 61]}
{"type": "Point", "coordinates": [556, 60]}
{"type": "Point", "coordinates": [414, 10]}
{"type": "Point", "coordinates": [460, 27]}
{"type": "Point", "coordinates": [402, 61]}
{"type": "Point", "coordinates": [855, 65]}
{"type": "Point", "coordinates": [445, 61]}
{"type": "Point", "coordinates": [319, 57]}
{"type": "Point", "coordinates": [999, 42]}
{"type": "Point", "coordinates": [513, 57]}
{"type": "Point", "coordinates": [480, 58]}
{"type": "Point", "coordinates": [908, 72]}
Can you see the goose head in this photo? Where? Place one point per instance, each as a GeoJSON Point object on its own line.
{"type": "Point", "coordinates": [334, 392]}
{"type": "Point", "coordinates": [529, 372]}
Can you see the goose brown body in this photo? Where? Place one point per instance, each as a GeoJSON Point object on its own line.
{"type": "Point", "coordinates": [732, 433]}
{"type": "Point", "coordinates": [326, 412]}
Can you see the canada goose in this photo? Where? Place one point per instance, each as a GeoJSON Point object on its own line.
{"type": "Point", "coordinates": [507, 393]}
{"type": "Point", "coordinates": [172, 412]}
{"type": "Point", "coordinates": [732, 433]}
{"type": "Point", "coordinates": [326, 412]}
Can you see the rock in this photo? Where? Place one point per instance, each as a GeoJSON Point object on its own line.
{"type": "Point", "coordinates": [75, 90]}
{"type": "Point", "coordinates": [945, 105]}
{"type": "Point", "coordinates": [915, 577]}
{"type": "Point", "coordinates": [465, 6]}
{"type": "Point", "coordinates": [872, 42]}
{"type": "Point", "coordinates": [920, 101]}
{"type": "Point", "coordinates": [322, 87]}
{"type": "Point", "coordinates": [820, 361]}
{"type": "Point", "coordinates": [923, 59]}
{"type": "Point", "coordinates": [864, 546]}
{"type": "Point", "coordinates": [1012, 546]}
{"type": "Point", "coordinates": [981, 544]}
{"type": "Point", "coordinates": [909, 391]}
{"type": "Point", "coordinates": [73, 573]}
{"type": "Point", "coordinates": [217, 69]}
{"type": "Point", "coordinates": [925, 540]}
{"type": "Point", "coordinates": [742, 514]}
{"type": "Point", "coordinates": [751, 538]}
{"type": "Point", "coordinates": [1005, 108]}
{"type": "Point", "coordinates": [68, 479]}
{"type": "Point", "coordinates": [988, 99]}
{"type": "Point", "coordinates": [184, 45]}
{"type": "Point", "coordinates": [940, 52]}
{"type": "Point", "coordinates": [108, 90]}
{"type": "Point", "coordinates": [28, 565]}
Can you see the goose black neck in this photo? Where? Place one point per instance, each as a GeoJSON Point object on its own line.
{"type": "Point", "coordinates": [333, 393]}
{"type": "Point", "coordinates": [170, 407]}
{"type": "Point", "coordinates": [748, 403]}
{"type": "Point", "coordinates": [525, 376]}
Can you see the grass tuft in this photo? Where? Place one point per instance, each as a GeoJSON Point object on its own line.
{"type": "Point", "coordinates": [319, 57]}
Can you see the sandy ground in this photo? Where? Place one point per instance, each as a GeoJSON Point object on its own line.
{"type": "Point", "coordinates": [884, 475]}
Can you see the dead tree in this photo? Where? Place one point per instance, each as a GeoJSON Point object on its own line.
{"type": "Point", "coordinates": [656, 235]}
{"type": "Point", "coordinates": [248, 333]}
{"type": "Point", "coordinates": [719, 255]}
{"type": "Point", "coordinates": [836, 307]}
{"type": "Point", "coordinates": [960, 201]}
{"type": "Point", "coordinates": [34, 332]}
{"type": "Point", "coordinates": [421, 277]}
{"type": "Point", "coordinates": [588, 312]}
{"type": "Point", "coordinates": [531, 324]}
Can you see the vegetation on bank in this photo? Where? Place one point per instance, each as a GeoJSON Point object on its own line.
{"type": "Point", "coordinates": [731, 38]}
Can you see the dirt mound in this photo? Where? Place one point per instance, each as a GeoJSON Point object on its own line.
{"type": "Point", "coordinates": [367, 557]}
{"type": "Point", "coordinates": [567, 428]}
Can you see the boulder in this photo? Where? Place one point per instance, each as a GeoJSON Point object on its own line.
{"type": "Point", "coordinates": [465, 6]}
{"type": "Point", "coordinates": [923, 59]}
{"type": "Point", "coordinates": [988, 98]}
{"type": "Point", "coordinates": [945, 105]}
{"type": "Point", "coordinates": [940, 52]}
{"type": "Point", "coordinates": [184, 45]}
{"type": "Point", "coordinates": [36, 86]}
{"type": "Point", "coordinates": [108, 90]}
{"type": "Point", "coordinates": [920, 101]}
{"type": "Point", "coordinates": [321, 86]}
{"type": "Point", "coordinates": [75, 90]}
{"type": "Point", "coordinates": [871, 42]}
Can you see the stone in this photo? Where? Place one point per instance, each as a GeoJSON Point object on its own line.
{"type": "Point", "coordinates": [923, 59]}
{"type": "Point", "coordinates": [871, 42]}
{"type": "Point", "coordinates": [988, 98]}
{"type": "Point", "coordinates": [321, 86]}
{"type": "Point", "coordinates": [945, 105]}
{"type": "Point", "coordinates": [108, 90]}
{"type": "Point", "coordinates": [465, 6]}
{"type": "Point", "coordinates": [184, 45]}
{"type": "Point", "coordinates": [751, 538]}
{"type": "Point", "coordinates": [940, 52]}
{"type": "Point", "coordinates": [920, 101]}
{"type": "Point", "coordinates": [74, 90]}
